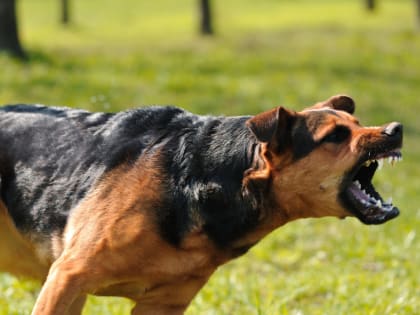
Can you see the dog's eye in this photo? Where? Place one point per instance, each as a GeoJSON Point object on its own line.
{"type": "Point", "coordinates": [338, 135]}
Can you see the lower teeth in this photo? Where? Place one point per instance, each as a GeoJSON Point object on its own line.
{"type": "Point", "coordinates": [372, 201]}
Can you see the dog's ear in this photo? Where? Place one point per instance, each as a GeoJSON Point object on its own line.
{"type": "Point", "coordinates": [273, 127]}
{"type": "Point", "coordinates": [337, 102]}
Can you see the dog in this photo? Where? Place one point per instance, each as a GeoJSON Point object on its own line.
{"type": "Point", "coordinates": [148, 202]}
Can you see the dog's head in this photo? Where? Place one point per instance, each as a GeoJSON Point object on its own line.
{"type": "Point", "coordinates": [321, 161]}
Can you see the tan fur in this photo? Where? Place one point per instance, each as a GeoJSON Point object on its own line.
{"type": "Point", "coordinates": [111, 244]}
{"type": "Point", "coordinates": [17, 254]}
{"type": "Point", "coordinates": [111, 247]}
{"type": "Point", "coordinates": [309, 187]}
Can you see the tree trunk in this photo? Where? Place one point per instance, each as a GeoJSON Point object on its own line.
{"type": "Point", "coordinates": [371, 5]}
{"type": "Point", "coordinates": [65, 12]}
{"type": "Point", "coordinates": [206, 27]}
{"type": "Point", "coordinates": [418, 12]}
{"type": "Point", "coordinates": [9, 39]}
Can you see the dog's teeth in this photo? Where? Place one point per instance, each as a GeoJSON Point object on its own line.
{"type": "Point", "coordinates": [378, 203]}
{"type": "Point", "coordinates": [358, 185]}
{"type": "Point", "coordinates": [389, 201]}
{"type": "Point", "coordinates": [390, 159]}
{"type": "Point", "coordinates": [380, 164]}
{"type": "Point", "coordinates": [367, 163]}
{"type": "Point", "coordinates": [387, 207]}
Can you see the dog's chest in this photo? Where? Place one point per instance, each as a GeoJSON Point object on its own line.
{"type": "Point", "coordinates": [166, 273]}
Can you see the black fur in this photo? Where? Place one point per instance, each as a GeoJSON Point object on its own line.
{"type": "Point", "coordinates": [302, 137]}
{"type": "Point", "coordinates": [206, 159]}
{"type": "Point", "coordinates": [51, 157]}
{"type": "Point", "coordinates": [304, 128]}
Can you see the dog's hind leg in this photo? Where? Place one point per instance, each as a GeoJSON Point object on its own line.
{"type": "Point", "coordinates": [17, 254]}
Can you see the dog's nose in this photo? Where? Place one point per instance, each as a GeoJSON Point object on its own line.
{"type": "Point", "coordinates": [394, 129]}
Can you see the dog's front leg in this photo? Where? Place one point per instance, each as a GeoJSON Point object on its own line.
{"type": "Point", "coordinates": [77, 306]}
{"type": "Point", "coordinates": [64, 285]}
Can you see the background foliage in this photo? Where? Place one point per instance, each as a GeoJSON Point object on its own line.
{"type": "Point", "coordinates": [118, 55]}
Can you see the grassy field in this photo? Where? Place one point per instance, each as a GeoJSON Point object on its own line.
{"type": "Point", "coordinates": [266, 53]}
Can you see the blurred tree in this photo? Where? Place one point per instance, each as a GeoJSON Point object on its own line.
{"type": "Point", "coordinates": [371, 5]}
{"type": "Point", "coordinates": [9, 39]}
{"type": "Point", "coordinates": [206, 27]}
{"type": "Point", "coordinates": [418, 12]}
{"type": "Point", "coordinates": [65, 12]}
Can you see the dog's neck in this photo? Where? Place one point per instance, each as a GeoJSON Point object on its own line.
{"type": "Point", "coordinates": [218, 187]}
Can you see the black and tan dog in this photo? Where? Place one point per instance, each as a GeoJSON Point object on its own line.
{"type": "Point", "coordinates": [147, 203]}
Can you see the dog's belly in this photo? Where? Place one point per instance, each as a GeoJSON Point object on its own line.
{"type": "Point", "coordinates": [129, 289]}
{"type": "Point", "coordinates": [177, 291]}
{"type": "Point", "coordinates": [17, 255]}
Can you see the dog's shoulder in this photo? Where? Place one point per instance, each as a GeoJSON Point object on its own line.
{"type": "Point", "coordinates": [204, 162]}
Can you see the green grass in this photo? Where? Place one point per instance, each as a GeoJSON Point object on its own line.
{"type": "Point", "coordinates": [266, 53]}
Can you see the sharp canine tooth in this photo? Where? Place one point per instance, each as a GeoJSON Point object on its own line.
{"type": "Point", "coordinates": [380, 164]}
{"type": "Point", "coordinates": [379, 203]}
{"type": "Point", "coordinates": [389, 201]}
{"type": "Point", "coordinates": [390, 160]}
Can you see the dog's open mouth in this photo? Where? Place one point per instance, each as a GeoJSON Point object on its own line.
{"type": "Point", "coordinates": [359, 194]}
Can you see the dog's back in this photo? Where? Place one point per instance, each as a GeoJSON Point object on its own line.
{"type": "Point", "coordinates": [51, 156]}
{"type": "Point", "coordinates": [45, 153]}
